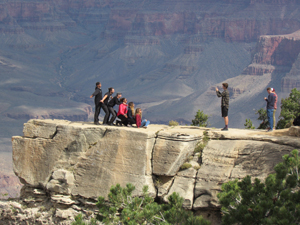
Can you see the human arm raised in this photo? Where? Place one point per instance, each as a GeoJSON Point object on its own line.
{"type": "Point", "coordinates": [219, 94]}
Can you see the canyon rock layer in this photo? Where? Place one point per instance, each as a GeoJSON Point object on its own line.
{"type": "Point", "coordinates": [69, 164]}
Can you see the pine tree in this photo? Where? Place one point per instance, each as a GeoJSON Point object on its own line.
{"type": "Point", "coordinates": [200, 119]}
{"type": "Point", "coordinates": [262, 116]}
{"type": "Point", "coordinates": [276, 201]}
{"type": "Point", "coordinates": [122, 208]}
{"type": "Point", "coordinates": [290, 109]}
{"type": "Point", "coordinates": [248, 124]}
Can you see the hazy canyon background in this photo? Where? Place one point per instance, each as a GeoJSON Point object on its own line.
{"type": "Point", "coordinates": [167, 56]}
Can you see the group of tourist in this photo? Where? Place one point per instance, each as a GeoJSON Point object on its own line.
{"type": "Point", "coordinates": [127, 115]}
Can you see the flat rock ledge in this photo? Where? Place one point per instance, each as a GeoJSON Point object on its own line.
{"type": "Point", "coordinates": [69, 164]}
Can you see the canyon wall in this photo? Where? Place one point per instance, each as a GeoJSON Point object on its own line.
{"type": "Point", "coordinates": [69, 164]}
{"type": "Point", "coordinates": [239, 22]}
{"type": "Point", "coordinates": [278, 54]}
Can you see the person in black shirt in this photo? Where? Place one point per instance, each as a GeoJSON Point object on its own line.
{"type": "Point", "coordinates": [98, 98]}
{"type": "Point", "coordinates": [110, 107]}
{"type": "Point", "coordinates": [105, 100]}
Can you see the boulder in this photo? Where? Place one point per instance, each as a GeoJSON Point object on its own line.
{"type": "Point", "coordinates": [294, 131]}
{"type": "Point", "coordinates": [185, 188]}
{"type": "Point", "coordinates": [39, 128]}
{"type": "Point", "coordinates": [163, 184]}
{"type": "Point", "coordinates": [84, 159]}
{"type": "Point", "coordinates": [62, 181]}
{"type": "Point", "coordinates": [225, 160]}
{"type": "Point", "coordinates": [172, 148]}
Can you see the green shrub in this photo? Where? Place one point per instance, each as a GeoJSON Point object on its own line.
{"type": "Point", "coordinates": [248, 124]}
{"type": "Point", "coordinates": [263, 117]}
{"type": "Point", "coordinates": [200, 119]}
{"type": "Point", "coordinates": [275, 201]}
{"type": "Point", "coordinates": [185, 166]}
{"type": "Point", "coordinates": [197, 167]}
{"type": "Point", "coordinates": [173, 123]}
{"type": "Point", "coordinates": [290, 109]}
{"type": "Point", "coordinates": [157, 183]}
{"type": "Point", "coordinates": [122, 208]}
{"type": "Point", "coordinates": [201, 145]}
{"type": "Point", "coordinates": [79, 221]}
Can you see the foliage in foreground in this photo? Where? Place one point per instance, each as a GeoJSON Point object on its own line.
{"type": "Point", "coordinates": [290, 109]}
{"type": "Point", "coordinates": [276, 201]}
{"type": "Point", "coordinates": [122, 208]}
{"type": "Point", "coordinates": [200, 119]}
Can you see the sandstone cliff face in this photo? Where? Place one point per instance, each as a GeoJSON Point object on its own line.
{"type": "Point", "coordinates": [278, 54]}
{"type": "Point", "coordinates": [75, 162]}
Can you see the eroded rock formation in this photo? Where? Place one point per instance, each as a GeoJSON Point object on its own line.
{"type": "Point", "coordinates": [69, 164]}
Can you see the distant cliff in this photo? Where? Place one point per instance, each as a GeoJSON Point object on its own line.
{"type": "Point", "coordinates": [241, 21]}
{"type": "Point", "coordinates": [66, 165]}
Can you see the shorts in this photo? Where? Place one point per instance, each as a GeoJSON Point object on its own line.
{"type": "Point", "coordinates": [224, 111]}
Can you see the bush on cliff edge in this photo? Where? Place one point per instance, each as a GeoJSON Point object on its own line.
{"type": "Point", "coordinates": [122, 208]}
{"type": "Point", "coordinates": [276, 201]}
{"type": "Point", "coordinates": [290, 109]}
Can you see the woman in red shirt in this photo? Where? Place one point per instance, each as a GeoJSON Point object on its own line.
{"type": "Point", "coordinates": [122, 113]}
{"type": "Point", "coordinates": [138, 119]}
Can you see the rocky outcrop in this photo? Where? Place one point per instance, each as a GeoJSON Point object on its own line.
{"type": "Point", "coordinates": [274, 53]}
{"type": "Point", "coordinates": [277, 54]}
{"type": "Point", "coordinates": [294, 131]}
{"type": "Point", "coordinates": [70, 164]}
{"type": "Point", "coordinates": [292, 79]}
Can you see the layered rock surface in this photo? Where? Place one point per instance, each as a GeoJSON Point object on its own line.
{"type": "Point", "coordinates": [72, 163]}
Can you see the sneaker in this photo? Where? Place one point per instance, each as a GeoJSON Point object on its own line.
{"type": "Point", "coordinates": [224, 129]}
{"type": "Point", "coordinates": [128, 125]}
{"type": "Point", "coordinates": [270, 130]}
{"type": "Point", "coordinates": [97, 123]}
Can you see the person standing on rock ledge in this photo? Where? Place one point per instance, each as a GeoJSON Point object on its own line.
{"type": "Point", "coordinates": [270, 107]}
{"type": "Point", "coordinates": [110, 106]}
{"type": "Point", "coordinates": [275, 107]}
{"type": "Point", "coordinates": [107, 97]}
{"type": "Point", "coordinates": [98, 104]}
{"type": "Point", "coordinates": [224, 104]}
